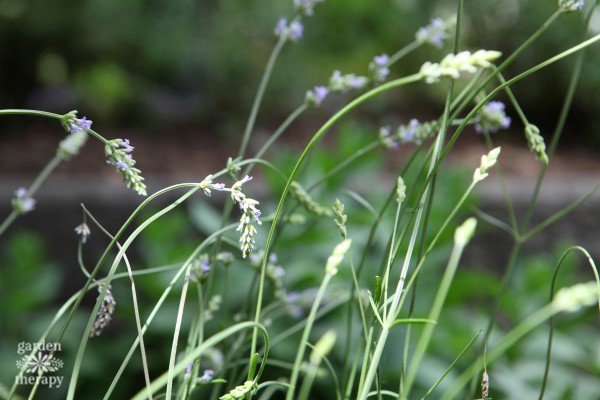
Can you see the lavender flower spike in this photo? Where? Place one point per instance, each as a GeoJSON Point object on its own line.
{"type": "Point", "coordinates": [316, 96]}
{"type": "Point", "coordinates": [292, 31]}
{"type": "Point", "coordinates": [382, 60]}
{"type": "Point", "coordinates": [118, 154]}
{"type": "Point", "coordinates": [207, 376]}
{"type": "Point", "coordinates": [378, 67]}
{"type": "Point", "coordinates": [250, 214]}
{"type": "Point", "coordinates": [84, 231]}
{"type": "Point", "coordinates": [305, 7]}
{"type": "Point", "coordinates": [386, 140]}
{"type": "Point", "coordinates": [436, 32]}
{"type": "Point", "coordinates": [296, 30]}
{"type": "Point", "coordinates": [343, 83]}
{"type": "Point", "coordinates": [22, 204]}
{"type": "Point", "coordinates": [207, 185]}
{"type": "Point", "coordinates": [492, 117]}
{"type": "Point", "coordinates": [281, 27]}
{"type": "Point", "coordinates": [79, 124]}
{"type": "Point", "coordinates": [570, 5]}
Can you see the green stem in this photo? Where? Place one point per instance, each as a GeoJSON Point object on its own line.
{"type": "Point", "coordinates": [451, 366]}
{"type": "Point", "coordinates": [39, 180]}
{"type": "Point", "coordinates": [30, 112]}
{"type": "Point", "coordinates": [558, 215]}
{"type": "Point", "coordinates": [288, 121]}
{"type": "Point", "coordinates": [551, 320]}
{"type": "Point", "coordinates": [304, 339]}
{"type": "Point", "coordinates": [403, 52]}
{"type": "Point", "coordinates": [356, 155]}
{"type": "Point", "coordinates": [8, 221]}
{"type": "Point", "coordinates": [504, 344]}
{"type": "Point", "coordinates": [259, 95]}
{"type": "Point", "coordinates": [509, 205]}
{"type": "Point", "coordinates": [171, 371]}
{"type": "Point", "coordinates": [434, 315]}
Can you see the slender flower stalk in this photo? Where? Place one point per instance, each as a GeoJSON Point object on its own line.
{"type": "Point", "coordinates": [462, 236]}
{"type": "Point", "coordinates": [331, 269]}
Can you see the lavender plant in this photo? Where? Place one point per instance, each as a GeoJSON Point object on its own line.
{"type": "Point", "coordinates": [234, 362]}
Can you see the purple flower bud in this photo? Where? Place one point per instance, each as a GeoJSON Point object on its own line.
{"type": "Point", "coordinates": [320, 93]}
{"type": "Point", "coordinates": [126, 146]}
{"type": "Point", "coordinates": [188, 368]}
{"type": "Point", "coordinates": [296, 312]}
{"type": "Point", "coordinates": [292, 297]}
{"type": "Point", "coordinates": [281, 27]}
{"type": "Point", "coordinates": [122, 165]}
{"type": "Point", "coordinates": [207, 376]}
{"type": "Point", "coordinates": [381, 60]}
{"type": "Point", "coordinates": [85, 123]}
{"type": "Point", "coordinates": [295, 30]}
{"type": "Point", "coordinates": [410, 131]}
{"type": "Point", "coordinates": [205, 266]}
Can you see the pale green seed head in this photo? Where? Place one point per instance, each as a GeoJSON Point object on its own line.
{"type": "Point", "coordinates": [323, 347]}
{"type": "Point", "coordinates": [465, 232]}
{"type": "Point", "coordinates": [335, 259]}
{"type": "Point", "coordinates": [576, 297]}
{"type": "Point", "coordinates": [400, 190]}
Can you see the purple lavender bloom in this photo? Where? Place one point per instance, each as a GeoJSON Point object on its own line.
{"type": "Point", "coordinates": [74, 128]}
{"type": "Point", "coordinates": [386, 139]}
{"type": "Point", "coordinates": [257, 213]}
{"type": "Point", "coordinates": [296, 312]}
{"type": "Point", "coordinates": [495, 106]}
{"type": "Point", "coordinates": [188, 368]}
{"type": "Point", "coordinates": [437, 39]}
{"type": "Point", "coordinates": [409, 132]}
{"type": "Point", "coordinates": [20, 192]}
{"type": "Point", "coordinates": [85, 123]}
{"type": "Point", "coordinates": [280, 272]}
{"type": "Point", "coordinates": [207, 375]}
{"type": "Point", "coordinates": [79, 124]}
{"type": "Point", "coordinates": [306, 6]}
{"type": "Point", "coordinates": [126, 146]}
{"type": "Point", "coordinates": [434, 33]}
{"type": "Point", "coordinates": [358, 82]}
{"type": "Point", "coordinates": [492, 117]}
{"type": "Point", "coordinates": [218, 186]}
{"type": "Point", "coordinates": [382, 73]}
{"type": "Point", "coordinates": [320, 93]}
{"type": "Point", "coordinates": [122, 165]}
{"type": "Point", "coordinates": [316, 96]}
{"type": "Point", "coordinates": [281, 27]}
{"type": "Point", "coordinates": [28, 204]}
{"type": "Point", "coordinates": [204, 266]}
{"type": "Point", "coordinates": [292, 297]}
{"type": "Point", "coordinates": [21, 203]}
{"type": "Point", "coordinates": [437, 23]}
{"type": "Point", "coordinates": [571, 5]}
{"type": "Point", "coordinates": [296, 30]}
{"type": "Point", "coordinates": [381, 60]}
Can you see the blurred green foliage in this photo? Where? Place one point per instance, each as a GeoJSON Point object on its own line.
{"type": "Point", "coordinates": [195, 65]}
